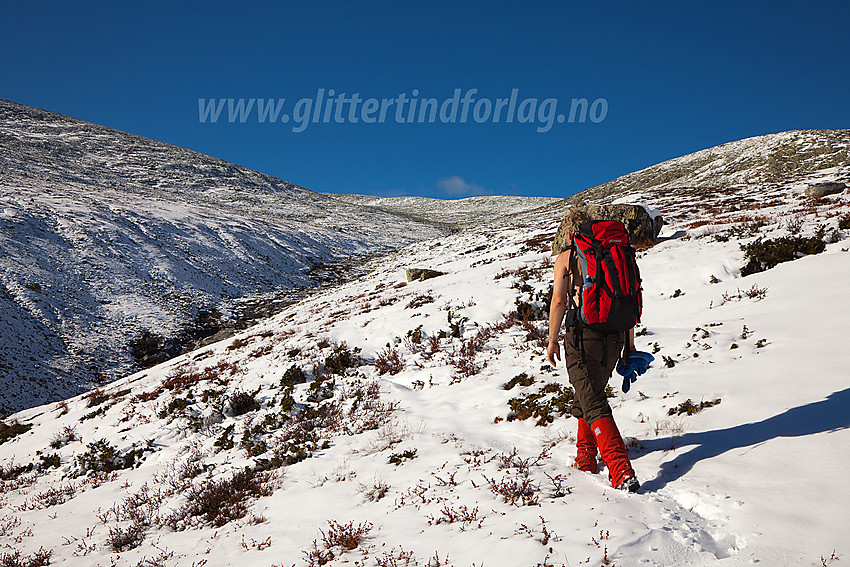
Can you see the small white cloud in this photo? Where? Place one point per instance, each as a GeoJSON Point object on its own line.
{"type": "Point", "coordinates": [458, 187]}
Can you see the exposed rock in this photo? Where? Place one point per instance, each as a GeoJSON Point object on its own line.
{"type": "Point", "coordinates": [823, 189]}
{"type": "Point", "coordinates": [422, 274]}
{"type": "Point", "coordinates": [642, 228]}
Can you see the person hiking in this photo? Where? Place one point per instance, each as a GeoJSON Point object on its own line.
{"type": "Point", "coordinates": [590, 359]}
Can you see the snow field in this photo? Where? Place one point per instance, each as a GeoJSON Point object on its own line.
{"type": "Point", "coordinates": [758, 478]}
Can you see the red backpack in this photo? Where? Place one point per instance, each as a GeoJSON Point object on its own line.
{"type": "Point", "coordinates": [610, 300]}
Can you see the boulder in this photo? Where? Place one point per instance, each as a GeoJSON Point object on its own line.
{"type": "Point", "coordinates": [643, 229]}
{"type": "Point", "coordinates": [818, 190]}
{"type": "Point", "coordinates": [422, 274]}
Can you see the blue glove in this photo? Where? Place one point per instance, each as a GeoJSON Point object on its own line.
{"type": "Point", "coordinates": [639, 361]}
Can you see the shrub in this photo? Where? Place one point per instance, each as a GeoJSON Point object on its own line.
{"type": "Point", "coordinates": [688, 407]}
{"type": "Point", "coordinates": [8, 524]}
{"type": "Point", "coordinates": [99, 411]}
{"type": "Point", "coordinates": [520, 379]}
{"type": "Point", "coordinates": [515, 491]}
{"type": "Point", "coordinates": [176, 406]}
{"type": "Point", "coordinates": [455, 328]}
{"type": "Point", "coordinates": [62, 407]}
{"type": "Point", "coordinates": [536, 334]}
{"type": "Point", "coordinates": [103, 457]}
{"type": "Point", "coordinates": [317, 556]}
{"type": "Point", "coordinates": [342, 359]}
{"type": "Point", "coordinates": [13, 471]}
{"type": "Point", "coordinates": [287, 401]}
{"type": "Point", "coordinates": [552, 401]}
{"type": "Point", "coordinates": [211, 395]}
{"type": "Point", "coordinates": [755, 292]}
{"type": "Point", "coordinates": [416, 335]}
{"type": "Point", "coordinates": [419, 301]}
{"type": "Point", "coordinates": [294, 375]}
{"type": "Point", "coordinates": [346, 536]}
{"type": "Point", "coordinates": [96, 397]}
{"type": "Point", "coordinates": [146, 396]}
{"type": "Point", "coordinates": [217, 502]}
{"type": "Point", "coordinates": [763, 255]}
{"type": "Point", "coordinates": [526, 311]}
{"type": "Point", "coordinates": [180, 380]}
{"type": "Point", "coordinates": [9, 431]}
{"type": "Point", "coordinates": [48, 461]}
{"type": "Point", "coordinates": [399, 458]}
{"type": "Point", "coordinates": [395, 558]}
{"type": "Point", "coordinates": [321, 389]}
{"type": "Point", "coordinates": [463, 358]}
{"type": "Point", "coordinates": [461, 514]}
{"type": "Point", "coordinates": [124, 539]}
{"type": "Point", "coordinates": [50, 497]}
{"type": "Point", "coordinates": [844, 222]}
{"type": "Point", "coordinates": [253, 443]}
{"type": "Point", "coordinates": [225, 440]}
{"type": "Point", "coordinates": [795, 224]}
{"type": "Point", "coordinates": [747, 229]}
{"type": "Point", "coordinates": [376, 491]}
{"type": "Point", "coordinates": [243, 402]}
{"type": "Point", "coordinates": [389, 360]}
{"type": "Point", "coordinates": [40, 558]}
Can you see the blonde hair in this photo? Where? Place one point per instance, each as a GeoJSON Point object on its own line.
{"type": "Point", "coordinates": [574, 218]}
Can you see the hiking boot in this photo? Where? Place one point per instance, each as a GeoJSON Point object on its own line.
{"type": "Point", "coordinates": [613, 451]}
{"type": "Point", "coordinates": [629, 484]}
{"type": "Point", "coordinates": [585, 448]}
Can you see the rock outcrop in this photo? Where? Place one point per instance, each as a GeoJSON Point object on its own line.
{"type": "Point", "coordinates": [642, 227]}
{"type": "Point", "coordinates": [818, 190]}
{"type": "Point", "coordinates": [422, 274]}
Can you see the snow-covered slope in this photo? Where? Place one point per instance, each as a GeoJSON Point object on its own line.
{"type": "Point", "coordinates": [413, 456]}
{"type": "Point", "coordinates": [773, 158]}
{"type": "Point", "coordinates": [106, 235]}
{"type": "Point", "coordinates": [456, 213]}
{"type": "Point", "coordinates": [736, 174]}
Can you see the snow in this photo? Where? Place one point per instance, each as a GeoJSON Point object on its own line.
{"type": "Point", "coordinates": [125, 235]}
{"type": "Point", "coordinates": [421, 458]}
{"type": "Point", "coordinates": [758, 479]}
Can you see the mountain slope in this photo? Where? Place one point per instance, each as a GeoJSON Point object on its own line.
{"type": "Point", "coordinates": [737, 174]}
{"type": "Point", "coordinates": [418, 454]}
{"type": "Point", "coordinates": [785, 157]}
{"type": "Point", "coordinates": [106, 235]}
{"type": "Point", "coordinates": [455, 213]}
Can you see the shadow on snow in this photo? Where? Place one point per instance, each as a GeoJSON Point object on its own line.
{"type": "Point", "coordinates": [824, 416]}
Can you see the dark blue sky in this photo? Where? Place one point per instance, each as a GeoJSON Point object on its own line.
{"type": "Point", "coordinates": [676, 77]}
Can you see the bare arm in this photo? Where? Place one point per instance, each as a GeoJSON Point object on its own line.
{"type": "Point", "coordinates": [558, 307]}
